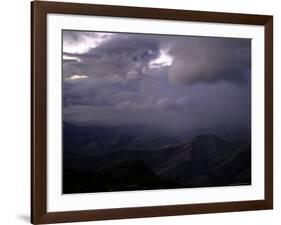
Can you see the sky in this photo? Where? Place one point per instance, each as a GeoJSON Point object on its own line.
{"type": "Point", "coordinates": [165, 81]}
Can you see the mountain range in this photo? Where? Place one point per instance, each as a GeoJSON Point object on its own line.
{"type": "Point", "coordinates": [99, 158]}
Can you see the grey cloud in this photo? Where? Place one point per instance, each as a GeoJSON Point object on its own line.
{"type": "Point", "coordinates": [122, 88]}
{"type": "Point", "coordinates": [209, 60]}
{"type": "Point", "coordinates": [123, 116]}
{"type": "Point", "coordinates": [119, 57]}
{"type": "Point", "coordinates": [93, 91]}
{"type": "Point", "coordinates": [71, 37]}
{"type": "Point", "coordinates": [182, 104]}
{"type": "Point", "coordinates": [168, 104]}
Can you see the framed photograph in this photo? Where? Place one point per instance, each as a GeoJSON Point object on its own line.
{"type": "Point", "coordinates": [143, 112]}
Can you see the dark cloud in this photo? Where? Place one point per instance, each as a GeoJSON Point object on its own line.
{"type": "Point", "coordinates": [209, 60]}
{"type": "Point", "coordinates": [124, 56]}
{"type": "Point", "coordinates": [96, 92]}
{"type": "Point", "coordinates": [121, 87]}
{"type": "Point", "coordinates": [182, 104]}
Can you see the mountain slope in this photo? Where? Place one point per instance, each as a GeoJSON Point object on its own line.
{"type": "Point", "coordinates": [99, 159]}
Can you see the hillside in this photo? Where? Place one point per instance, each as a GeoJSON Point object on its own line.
{"type": "Point", "coordinates": [99, 159]}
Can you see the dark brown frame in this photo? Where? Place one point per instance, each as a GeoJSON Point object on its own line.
{"type": "Point", "coordinates": [39, 11]}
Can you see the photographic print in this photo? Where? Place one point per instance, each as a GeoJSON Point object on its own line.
{"type": "Point", "coordinates": [153, 111]}
{"type": "Point", "coordinates": [146, 112]}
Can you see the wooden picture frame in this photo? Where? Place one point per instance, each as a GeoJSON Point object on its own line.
{"type": "Point", "coordinates": [39, 12]}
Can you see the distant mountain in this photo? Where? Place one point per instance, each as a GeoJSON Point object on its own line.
{"type": "Point", "coordinates": [102, 158]}
{"type": "Point", "coordinates": [212, 162]}
{"type": "Point", "coordinates": [98, 139]}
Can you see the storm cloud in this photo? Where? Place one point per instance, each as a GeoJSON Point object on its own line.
{"type": "Point", "coordinates": [182, 82]}
{"type": "Point", "coordinates": [209, 60]}
{"type": "Point", "coordinates": [122, 56]}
